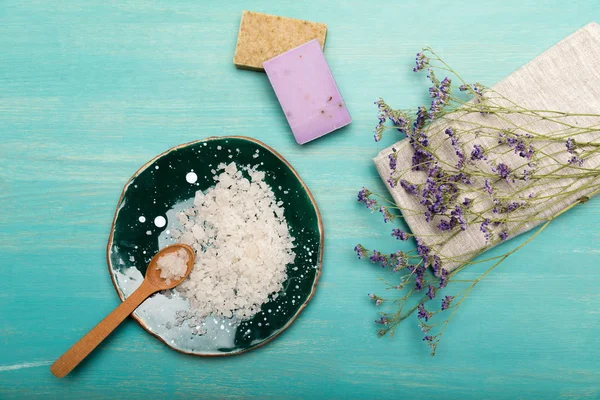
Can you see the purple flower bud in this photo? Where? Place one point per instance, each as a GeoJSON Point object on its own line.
{"type": "Point", "coordinates": [446, 302]}
{"type": "Point", "coordinates": [423, 313]}
{"type": "Point", "coordinates": [422, 250]}
{"type": "Point", "coordinates": [570, 145]}
{"type": "Point", "coordinates": [377, 257]}
{"type": "Point", "coordinates": [393, 158]}
{"type": "Point", "coordinates": [363, 195]}
{"type": "Point", "coordinates": [478, 153]}
{"type": "Point", "coordinates": [408, 187]}
{"type": "Point", "coordinates": [361, 252]}
{"type": "Point", "coordinates": [399, 234]}
{"type": "Point", "coordinates": [436, 265]}
{"type": "Point", "coordinates": [503, 171]}
{"type": "Point", "coordinates": [576, 161]}
{"type": "Point", "coordinates": [431, 292]}
{"type": "Point", "coordinates": [422, 61]}
{"type": "Point", "coordinates": [484, 228]}
{"type": "Point", "coordinates": [443, 278]}
{"type": "Point", "coordinates": [488, 187]}
{"type": "Point", "coordinates": [387, 215]}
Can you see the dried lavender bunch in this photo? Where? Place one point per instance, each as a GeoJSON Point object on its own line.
{"type": "Point", "coordinates": [478, 162]}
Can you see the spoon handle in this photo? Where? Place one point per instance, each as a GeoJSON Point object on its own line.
{"type": "Point", "coordinates": [92, 339]}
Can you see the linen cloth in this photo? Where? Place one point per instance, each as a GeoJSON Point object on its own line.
{"type": "Point", "coordinates": [566, 77]}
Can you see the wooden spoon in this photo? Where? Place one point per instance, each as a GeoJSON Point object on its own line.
{"type": "Point", "coordinates": [151, 284]}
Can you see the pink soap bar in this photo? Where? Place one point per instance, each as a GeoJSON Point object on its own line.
{"type": "Point", "coordinates": [307, 92]}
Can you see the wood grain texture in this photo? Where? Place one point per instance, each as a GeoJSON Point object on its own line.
{"type": "Point", "coordinates": [152, 283]}
{"type": "Point", "coordinates": [91, 91]}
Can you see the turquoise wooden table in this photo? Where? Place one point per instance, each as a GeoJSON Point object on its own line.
{"type": "Point", "coordinates": [89, 91]}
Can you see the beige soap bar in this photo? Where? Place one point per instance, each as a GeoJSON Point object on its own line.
{"type": "Point", "coordinates": [262, 37]}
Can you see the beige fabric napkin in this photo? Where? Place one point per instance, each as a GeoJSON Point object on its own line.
{"type": "Point", "coordinates": [565, 78]}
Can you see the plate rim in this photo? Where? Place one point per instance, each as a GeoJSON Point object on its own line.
{"type": "Point", "coordinates": [319, 223]}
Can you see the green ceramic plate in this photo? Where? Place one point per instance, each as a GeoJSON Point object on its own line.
{"type": "Point", "coordinates": [145, 212]}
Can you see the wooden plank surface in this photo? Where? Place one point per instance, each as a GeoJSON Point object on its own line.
{"type": "Point", "coordinates": [89, 91]}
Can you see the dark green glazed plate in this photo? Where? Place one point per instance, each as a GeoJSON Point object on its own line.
{"type": "Point", "coordinates": [146, 212]}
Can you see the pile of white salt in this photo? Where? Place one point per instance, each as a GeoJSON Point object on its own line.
{"type": "Point", "coordinates": [242, 243]}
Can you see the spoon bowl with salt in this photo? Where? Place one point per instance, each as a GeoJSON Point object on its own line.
{"type": "Point", "coordinates": [168, 268]}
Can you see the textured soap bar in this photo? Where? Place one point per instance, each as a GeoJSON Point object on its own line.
{"type": "Point", "coordinates": [263, 36]}
{"type": "Point", "coordinates": [307, 92]}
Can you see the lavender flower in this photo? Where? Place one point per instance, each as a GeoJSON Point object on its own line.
{"type": "Point", "coordinates": [514, 206]}
{"type": "Point", "coordinates": [443, 278]}
{"type": "Point", "coordinates": [361, 252]}
{"type": "Point", "coordinates": [444, 225]}
{"type": "Point", "coordinates": [383, 114]}
{"type": "Point", "coordinates": [363, 197]}
{"type": "Point", "coordinates": [408, 187]}
{"type": "Point", "coordinates": [457, 215]}
{"type": "Point", "coordinates": [396, 116]}
{"type": "Point", "coordinates": [422, 61]}
{"type": "Point", "coordinates": [436, 265]}
{"type": "Point", "coordinates": [439, 94]}
{"type": "Point", "coordinates": [488, 187]}
{"type": "Point", "coordinates": [422, 250]}
{"type": "Point", "coordinates": [478, 153]}
{"type": "Point", "coordinates": [446, 302]}
{"type": "Point", "coordinates": [399, 259]}
{"type": "Point", "coordinates": [419, 277]}
{"type": "Point", "coordinates": [419, 124]}
{"type": "Point", "coordinates": [399, 234]}
{"type": "Point", "coordinates": [421, 158]}
{"type": "Point", "coordinates": [387, 215]}
{"type": "Point", "coordinates": [423, 313]}
{"type": "Point", "coordinates": [460, 177]}
{"type": "Point", "coordinates": [517, 142]}
{"type": "Point", "coordinates": [445, 85]}
{"type": "Point", "coordinates": [570, 145]}
{"type": "Point", "coordinates": [393, 158]}
{"type": "Point", "coordinates": [377, 257]}
{"type": "Point", "coordinates": [576, 161]}
{"type": "Point", "coordinates": [457, 148]}
{"type": "Point", "coordinates": [443, 189]}
{"type": "Point", "coordinates": [475, 88]}
{"type": "Point", "coordinates": [399, 121]}
{"type": "Point", "coordinates": [503, 171]}
{"type": "Point", "coordinates": [484, 228]}
{"type": "Point", "coordinates": [431, 292]}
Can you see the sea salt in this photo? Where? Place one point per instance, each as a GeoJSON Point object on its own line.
{"type": "Point", "coordinates": [172, 266]}
{"type": "Point", "coordinates": [242, 244]}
